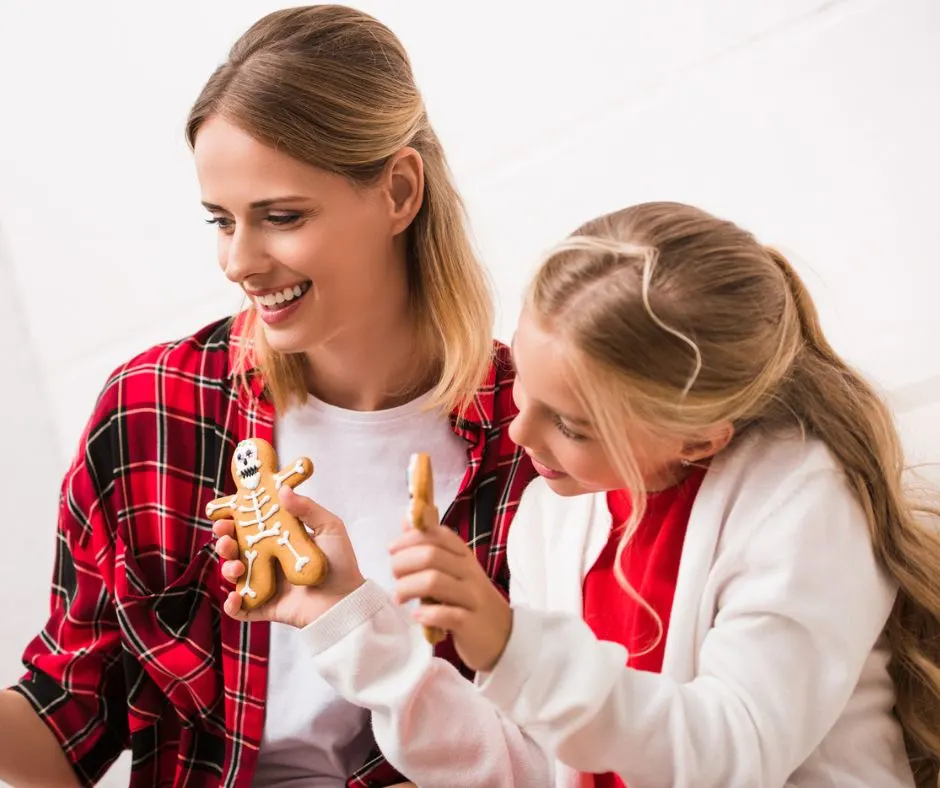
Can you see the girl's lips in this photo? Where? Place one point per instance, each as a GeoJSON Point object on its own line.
{"type": "Point", "coordinates": [544, 470]}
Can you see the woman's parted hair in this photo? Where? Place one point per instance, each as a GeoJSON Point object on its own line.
{"type": "Point", "coordinates": [333, 87]}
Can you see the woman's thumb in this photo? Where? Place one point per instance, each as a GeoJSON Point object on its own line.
{"type": "Point", "coordinates": [306, 509]}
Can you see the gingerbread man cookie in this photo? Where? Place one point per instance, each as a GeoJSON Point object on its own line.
{"type": "Point", "coordinates": [266, 533]}
{"type": "Point", "coordinates": [421, 505]}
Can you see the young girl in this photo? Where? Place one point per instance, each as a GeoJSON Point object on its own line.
{"type": "Point", "coordinates": [366, 337]}
{"type": "Point", "coordinates": [717, 581]}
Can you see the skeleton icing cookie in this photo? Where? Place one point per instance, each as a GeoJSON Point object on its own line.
{"type": "Point", "coordinates": [266, 533]}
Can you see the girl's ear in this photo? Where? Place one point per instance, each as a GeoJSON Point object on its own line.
{"type": "Point", "coordinates": [709, 444]}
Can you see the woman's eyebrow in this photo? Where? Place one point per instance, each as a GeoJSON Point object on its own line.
{"type": "Point", "coordinates": [260, 203]}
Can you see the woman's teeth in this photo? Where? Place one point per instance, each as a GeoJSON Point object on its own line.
{"type": "Point", "coordinates": [282, 297]}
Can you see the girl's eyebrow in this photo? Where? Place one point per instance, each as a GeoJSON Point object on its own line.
{"type": "Point", "coordinates": [573, 420]}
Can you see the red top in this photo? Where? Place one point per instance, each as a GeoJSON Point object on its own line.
{"type": "Point", "coordinates": [651, 565]}
{"type": "Point", "coordinates": [137, 651]}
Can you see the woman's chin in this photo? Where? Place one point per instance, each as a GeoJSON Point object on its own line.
{"type": "Point", "coordinates": [287, 340]}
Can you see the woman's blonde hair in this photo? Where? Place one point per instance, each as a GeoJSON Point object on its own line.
{"type": "Point", "coordinates": [333, 87]}
{"type": "Point", "coordinates": [682, 321]}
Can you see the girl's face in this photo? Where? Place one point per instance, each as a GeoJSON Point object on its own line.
{"type": "Point", "coordinates": [559, 436]}
{"type": "Point", "coordinates": [318, 255]}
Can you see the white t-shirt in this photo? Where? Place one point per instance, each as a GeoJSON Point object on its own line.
{"type": "Point", "coordinates": [312, 737]}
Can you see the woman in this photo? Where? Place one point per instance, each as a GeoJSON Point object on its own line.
{"type": "Point", "coordinates": [366, 337]}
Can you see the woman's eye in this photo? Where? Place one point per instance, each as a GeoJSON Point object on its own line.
{"type": "Point", "coordinates": [283, 219]}
{"type": "Point", "coordinates": [221, 222]}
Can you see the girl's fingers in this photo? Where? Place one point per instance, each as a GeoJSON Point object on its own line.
{"type": "Point", "coordinates": [440, 535]}
{"type": "Point", "coordinates": [432, 584]}
{"type": "Point", "coordinates": [410, 537]}
{"type": "Point", "coordinates": [427, 556]}
{"type": "Point", "coordinates": [446, 617]}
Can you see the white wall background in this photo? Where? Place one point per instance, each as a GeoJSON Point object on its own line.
{"type": "Point", "coordinates": [813, 123]}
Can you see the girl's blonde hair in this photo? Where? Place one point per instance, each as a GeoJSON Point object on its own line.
{"type": "Point", "coordinates": [682, 321]}
{"type": "Point", "coordinates": [333, 87]}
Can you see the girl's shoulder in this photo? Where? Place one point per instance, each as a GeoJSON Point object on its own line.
{"type": "Point", "coordinates": [783, 494]}
{"type": "Point", "coordinates": [763, 469]}
{"type": "Point", "coordinates": [759, 475]}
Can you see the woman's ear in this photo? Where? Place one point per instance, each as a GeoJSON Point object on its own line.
{"type": "Point", "coordinates": [404, 188]}
{"type": "Point", "coordinates": [708, 445]}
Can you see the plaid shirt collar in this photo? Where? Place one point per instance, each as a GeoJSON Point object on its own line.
{"type": "Point", "coordinates": [476, 419]}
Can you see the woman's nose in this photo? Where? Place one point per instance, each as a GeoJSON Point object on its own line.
{"type": "Point", "coordinates": [243, 256]}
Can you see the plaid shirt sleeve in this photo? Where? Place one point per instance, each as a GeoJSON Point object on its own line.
{"type": "Point", "coordinates": [136, 651]}
{"type": "Point", "coordinates": [74, 678]}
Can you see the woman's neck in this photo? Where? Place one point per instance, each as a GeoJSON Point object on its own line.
{"type": "Point", "coordinates": [378, 366]}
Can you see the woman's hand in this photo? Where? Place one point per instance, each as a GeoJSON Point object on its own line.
{"type": "Point", "coordinates": [437, 564]}
{"type": "Point", "coordinates": [295, 605]}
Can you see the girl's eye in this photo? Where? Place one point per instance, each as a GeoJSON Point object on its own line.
{"type": "Point", "coordinates": [565, 430]}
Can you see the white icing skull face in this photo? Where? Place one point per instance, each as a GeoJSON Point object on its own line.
{"type": "Point", "coordinates": [248, 464]}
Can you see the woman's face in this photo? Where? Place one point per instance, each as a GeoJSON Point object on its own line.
{"type": "Point", "coordinates": [319, 256]}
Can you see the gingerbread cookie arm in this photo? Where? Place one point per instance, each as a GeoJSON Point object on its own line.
{"type": "Point", "coordinates": [222, 508]}
{"type": "Point", "coordinates": [421, 492]}
{"type": "Point", "coordinates": [300, 470]}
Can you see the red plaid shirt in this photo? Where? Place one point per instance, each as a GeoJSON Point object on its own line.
{"type": "Point", "coordinates": [137, 651]}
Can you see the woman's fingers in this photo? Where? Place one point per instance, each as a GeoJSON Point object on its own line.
{"type": "Point", "coordinates": [226, 548]}
{"type": "Point", "coordinates": [224, 528]}
{"type": "Point", "coordinates": [233, 606]}
{"type": "Point", "coordinates": [232, 570]}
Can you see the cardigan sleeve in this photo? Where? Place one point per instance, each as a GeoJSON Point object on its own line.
{"type": "Point", "coordinates": [430, 722]}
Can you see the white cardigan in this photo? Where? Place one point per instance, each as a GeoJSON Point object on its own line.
{"type": "Point", "coordinates": [774, 671]}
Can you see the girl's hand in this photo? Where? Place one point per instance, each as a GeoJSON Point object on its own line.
{"type": "Point", "coordinates": [295, 605]}
{"type": "Point", "coordinates": [437, 564]}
